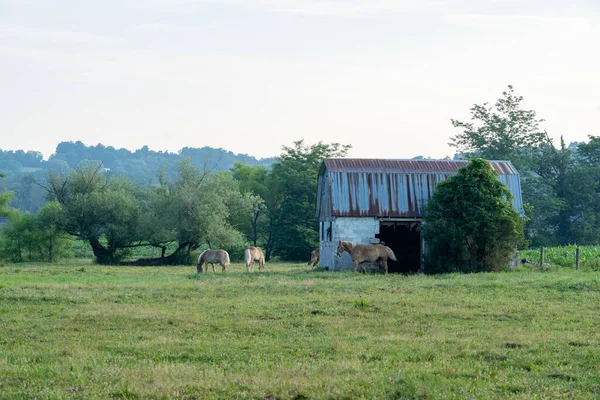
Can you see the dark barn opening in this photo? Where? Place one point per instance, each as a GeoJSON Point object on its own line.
{"type": "Point", "coordinates": [405, 240]}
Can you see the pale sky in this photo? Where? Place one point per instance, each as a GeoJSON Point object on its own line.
{"type": "Point", "coordinates": [252, 75]}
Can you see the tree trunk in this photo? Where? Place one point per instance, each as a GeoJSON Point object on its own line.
{"type": "Point", "coordinates": [180, 256]}
{"type": "Point", "coordinates": [254, 224]}
{"type": "Point", "coordinates": [102, 254]}
{"type": "Point", "coordinates": [51, 247]}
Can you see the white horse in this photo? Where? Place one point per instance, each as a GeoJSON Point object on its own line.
{"type": "Point", "coordinates": [212, 257]}
{"type": "Point", "coordinates": [252, 254]}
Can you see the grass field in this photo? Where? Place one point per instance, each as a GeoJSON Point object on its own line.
{"type": "Point", "coordinates": [84, 331]}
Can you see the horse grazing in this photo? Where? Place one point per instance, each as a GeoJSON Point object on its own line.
{"type": "Point", "coordinates": [212, 257]}
{"type": "Point", "coordinates": [252, 254]}
{"type": "Point", "coordinates": [314, 257]}
{"type": "Point", "coordinates": [361, 253]}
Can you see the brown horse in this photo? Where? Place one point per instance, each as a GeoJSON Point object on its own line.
{"type": "Point", "coordinates": [314, 257]}
{"type": "Point", "coordinates": [361, 253]}
{"type": "Point", "coordinates": [252, 254]}
{"type": "Point", "coordinates": [212, 257]}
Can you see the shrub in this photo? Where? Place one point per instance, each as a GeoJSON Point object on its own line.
{"type": "Point", "coordinates": [470, 224]}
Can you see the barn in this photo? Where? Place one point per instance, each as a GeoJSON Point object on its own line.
{"type": "Point", "coordinates": [373, 201]}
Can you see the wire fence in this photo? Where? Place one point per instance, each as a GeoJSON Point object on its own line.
{"type": "Point", "coordinates": [572, 256]}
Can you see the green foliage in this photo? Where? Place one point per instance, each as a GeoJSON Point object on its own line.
{"type": "Point", "coordinates": [105, 213]}
{"type": "Point", "coordinates": [34, 237]}
{"type": "Point", "coordinates": [253, 183]}
{"type": "Point", "coordinates": [470, 224]}
{"type": "Point", "coordinates": [503, 132]}
{"type": "Point", "coordinates": [561, 185]}
{"type": "Point", "coordinates": [115, 216]}
{"type": "Point", "coordinates": [295, 178]}
{"type": "Point", "coordinates": [564, 256]}
{"type": "Point", "coordinates": [564, 189]}
{"type": "Point", "coordinates": [52, 240]}
{"type": "Point", "coordinates": [5, 198]}
{"type": "Point", "coordinates": [281, 217]}
{"type": "Point", "coordinates": [18, 238]}
{"type": "Point", "coordinates": [200, 205]}
{"type": "Point", "coordinates": [24, 169]}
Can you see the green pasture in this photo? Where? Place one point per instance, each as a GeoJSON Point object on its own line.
{"type": "Point", "coordinates": [79, 330]}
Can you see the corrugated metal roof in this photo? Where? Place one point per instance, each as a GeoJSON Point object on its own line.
{"type": "Point", "coordinates": [392, 188]}
{"type": "Point", "coordinates": [408, 166]}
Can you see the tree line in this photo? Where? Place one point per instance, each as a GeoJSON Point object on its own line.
{"type": "Point", "coordinates": [23, 169]}
{"type": "Point", "coordinates": [560, 184]}
{"type": "Point", "coordinates": [200, 208]}
{"type": "Point", "coordinates": [193, 204]}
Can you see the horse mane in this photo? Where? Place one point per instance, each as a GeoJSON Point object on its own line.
{"type": "Point", "coordinates": [351, 244]}
{"type": "Point", "coordinates": [201, 254]}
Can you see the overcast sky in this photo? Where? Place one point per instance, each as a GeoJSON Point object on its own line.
{"type": "Point", "coordinates": [252, 75]}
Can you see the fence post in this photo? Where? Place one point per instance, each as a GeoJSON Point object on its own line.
{"type": "Point", "coordinates": [542, 256]}
{"type": "Point", "coordinates": [577, 257]}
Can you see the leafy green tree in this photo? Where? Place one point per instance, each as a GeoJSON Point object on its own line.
{"type": "Point", "coordinates": [253, 183]}
{"type": "Point", "coordinates": [283, 220]}
{"type": "Point", "coordinates": [198, 208]}
{"type": "Point", "coordinates": [293, 180]}
{"type": "Point", "coordinates": [590, 152]}
{"type": "Point", "coordinates": [505, 131]}
{"type": "Point", "coordinates": [550, 175]}
{"type": "Point", "coordinates": [582, 188]}
{"type": "Point", "coordinates": [19, 238]}
{"type": "Point", "coordinates": [548, 189]}
{"type": "Point", "coordinates": [52, 240]}
{"type": "Point", "coordinates": [105, 213]}
{"type": "Point", "coordinates": [470, 224]}
{"type": "Point", "coordinates": [5, 198]}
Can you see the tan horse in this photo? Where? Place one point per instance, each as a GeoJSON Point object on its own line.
{"type": "Point", "coordinates": [314, 257]}
{"type": "Point", "coordinates": [212, 257]}
{"type": "Point", "coordinates": [252, 254]}
{"type": "Point", "coordinates": [361, 253]}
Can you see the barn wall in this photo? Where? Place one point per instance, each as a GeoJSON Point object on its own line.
{"type": "Point", "coordinates": [347, 229]}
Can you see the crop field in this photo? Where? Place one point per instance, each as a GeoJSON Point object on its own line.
{"type": "Point", "coordinates": [78, 330]}
{"type": "Point", "coordinates": [564, 256]}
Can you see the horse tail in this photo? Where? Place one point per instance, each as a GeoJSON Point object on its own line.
{"type": "Point", "coordinates": [391, 254]}
{"type": "Point", "coordinates": [247, 256]}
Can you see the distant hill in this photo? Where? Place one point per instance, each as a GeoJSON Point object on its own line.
{"type": "Point", "coordinates": [141, 166]}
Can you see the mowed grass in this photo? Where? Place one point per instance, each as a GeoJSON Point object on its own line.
{"type": "Point", "coordinates": [85, 331]}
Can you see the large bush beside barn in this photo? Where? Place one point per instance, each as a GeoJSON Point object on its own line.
{"type": "Point", "coordinates": [470, 224]}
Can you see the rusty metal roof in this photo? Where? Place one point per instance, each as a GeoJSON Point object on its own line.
{"type": "Point", "coordinates": [392, 188]}
{"type": "Point", "coordinates": [408, 166]}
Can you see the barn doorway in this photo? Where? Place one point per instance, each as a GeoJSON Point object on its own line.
{"type": "Point", "coordinates": [404, 238]}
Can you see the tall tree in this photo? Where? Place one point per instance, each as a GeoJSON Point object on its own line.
{"type": "Point", "coordinates": [105, 213]}
{"type": "Point", "coordinates": [5, 198]}
{"type": "Point", "coordinates": [283, 222]}
{"type": "Point", "coordinates": [509, 132]}
{"type": "Point", "coordinates": [294, 178]}
{"type": "Point", "coordinates": [583, 186]}
{"type": "Point", "coordinates": [19, 238]}
{"type": "Point", "coordinates": [199, 208]}
{"type": "Point", "coordinates": [504, 131]}
{"type": "Point", "coordinates": [51, 238]}
{"type": "Point", "coordinates": [253, 183]}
